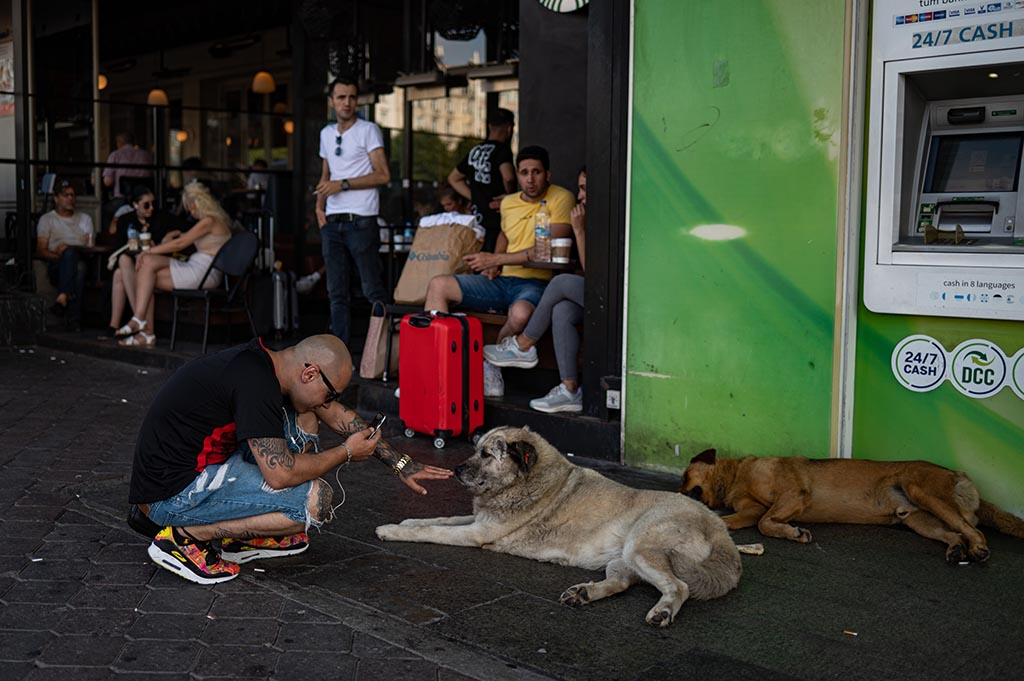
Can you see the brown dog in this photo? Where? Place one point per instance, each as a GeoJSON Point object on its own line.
{"type": "Point", "coordinates": [770, 492]}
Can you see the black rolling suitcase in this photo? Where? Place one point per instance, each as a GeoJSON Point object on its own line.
{"type": "Point", "coordinates": [286, 303]}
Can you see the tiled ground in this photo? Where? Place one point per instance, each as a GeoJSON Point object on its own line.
{"type": "Point", "coordinates": [80, 600]}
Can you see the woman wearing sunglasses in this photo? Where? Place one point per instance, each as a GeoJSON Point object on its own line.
{"type": "Point", "coordinates": [142, 219]}
{"type": "Point", "coordinates": [156, 269]}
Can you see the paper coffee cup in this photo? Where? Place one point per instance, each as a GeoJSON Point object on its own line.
{"type": "Point", "coordinates": [560, 250]}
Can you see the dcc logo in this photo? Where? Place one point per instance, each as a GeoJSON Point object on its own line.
{"type": "Point", "coordinates": [977, 368]}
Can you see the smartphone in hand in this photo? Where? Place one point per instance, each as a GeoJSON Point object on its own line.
{"type": "Point", "coordinates": [377, 422]}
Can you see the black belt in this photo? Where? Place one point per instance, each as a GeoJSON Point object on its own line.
{"type": "Point", "coordinates": [346, 217]}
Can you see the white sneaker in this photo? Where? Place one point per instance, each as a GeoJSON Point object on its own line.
{"type": "Point", "coordinates": [494, 384]}
{"type": "Point", "coordinates": [559, 399]}
{"type": "Point", "coordinates": [306, 283]}
{"type": "Point", "coordinates": [507, 354]}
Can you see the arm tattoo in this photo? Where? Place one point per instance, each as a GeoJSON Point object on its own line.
{"type": "Point", "coordinates": [350, 422]}
{"type": "Point", "coordinates": [273, 451]}
{"type": "Point", "coordinates": [387, 454]}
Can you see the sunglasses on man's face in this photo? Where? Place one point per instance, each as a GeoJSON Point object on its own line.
{"type": "Point", "coordinates": [147, 204]}
{"type": "Point", "coordinates": [337, 149]}
{"type": "Point", "coordinates": [332, 394]}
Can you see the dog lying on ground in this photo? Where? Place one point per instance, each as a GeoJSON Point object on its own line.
{"type": "Point", "coordinates": [771, 492]}
{"type": "Point", "coordinates": [530, 501]}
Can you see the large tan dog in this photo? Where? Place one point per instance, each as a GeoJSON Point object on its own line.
{"type": "Point", "coordinates": [770, 492]}
{"type": "Point", "coordinates": [530, 501]}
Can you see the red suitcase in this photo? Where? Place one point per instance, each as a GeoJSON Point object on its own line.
{"type": "Point", "coordinates": [441, 375]}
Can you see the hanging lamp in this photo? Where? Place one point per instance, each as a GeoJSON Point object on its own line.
{"type": "Point", "coordinates": [263, 83]}
{"type": "Point", "coordinates": [157, 97]}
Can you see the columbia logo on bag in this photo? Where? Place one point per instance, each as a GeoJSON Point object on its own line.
{"type": "Point", "coordinates": [425, 257]}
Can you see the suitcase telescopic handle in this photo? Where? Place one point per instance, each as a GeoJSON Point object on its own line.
{"type": "Point", "coordinates": [420, 321]}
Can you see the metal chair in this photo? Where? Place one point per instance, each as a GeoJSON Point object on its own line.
{"type": "Point", "coordinates": [233, 260]}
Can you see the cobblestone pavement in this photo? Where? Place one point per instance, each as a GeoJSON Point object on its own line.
{"type": "Point", "coordinates": [79, 598]}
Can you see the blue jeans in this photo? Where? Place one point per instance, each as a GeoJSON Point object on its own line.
{"type": "Point", "coordinates": [345, 243]}
{"type": "Point", "coordinates": [67, 273]}
{"type": "Point", "coordinates": [497, 295]}
{"type": "Point", "coordinates": [236, 489]}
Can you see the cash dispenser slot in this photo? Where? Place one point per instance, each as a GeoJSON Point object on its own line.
{"type": "Point", "coordinates": [971, 217]}
{"type": "Point", "coordinates": [967, 115]}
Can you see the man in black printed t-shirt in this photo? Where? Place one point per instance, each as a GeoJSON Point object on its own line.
{"type": "Point", "coordinates": [228, 456]}
{"type": "Point", "coordinates": [487, 173]}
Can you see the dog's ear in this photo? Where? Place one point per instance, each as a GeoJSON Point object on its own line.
{"type": "Point", "coordinates": [523, 453]}
{"type": "Point", "coordinates": [707, 456]}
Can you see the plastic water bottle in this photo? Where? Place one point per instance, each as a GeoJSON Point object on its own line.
{"type": "Point", "coordinates": [133, 238]}
{"type": "Point", "coordinates": [542, 233]}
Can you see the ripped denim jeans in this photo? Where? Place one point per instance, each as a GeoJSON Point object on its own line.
{"type": "Point", "coordinates": [236, 489]}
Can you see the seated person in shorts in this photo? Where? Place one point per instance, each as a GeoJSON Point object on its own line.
{"type": "Point", "coordinates": [141, 217]}
{"type": "Point", "coordinates": [560, 310]}
{"type": "Point", "coordinates": [518, 288]}
{"type": "Point", "coordinates": [156, 269]}
{"type": "Point", "coordinates": [227, 466]}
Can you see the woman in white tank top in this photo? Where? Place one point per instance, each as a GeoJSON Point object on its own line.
{"type": "Point", "coordinates": [155, 269]}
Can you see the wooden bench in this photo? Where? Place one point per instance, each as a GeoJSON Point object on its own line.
{"type": "Point", "coordinates": [492, 324]}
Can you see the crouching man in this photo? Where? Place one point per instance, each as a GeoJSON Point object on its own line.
{"type": "Point", "coordinates": [227, 462]}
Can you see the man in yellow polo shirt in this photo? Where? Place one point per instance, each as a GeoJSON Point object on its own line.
{"type": "Point", "coordinates": [506, 283]}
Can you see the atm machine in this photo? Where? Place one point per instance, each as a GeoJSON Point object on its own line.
{"type": "Point", "coordinates": [945, 206]}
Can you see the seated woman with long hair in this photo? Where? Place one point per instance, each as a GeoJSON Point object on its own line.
{"type": "Point", "coordinates": [155, 269]}
{"type": "Point", "coordinates": [143, 218]}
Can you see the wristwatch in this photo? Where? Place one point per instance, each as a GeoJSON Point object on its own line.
{"type": "Point", "coordinates": [345, 185]}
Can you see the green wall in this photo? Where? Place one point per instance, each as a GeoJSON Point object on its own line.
{"type": "Point", "coordinates": [736, 113]}
{"type": "Point", "coordinates": [984, 437]}
{"type": "Point", "coordinates": [736, 116]}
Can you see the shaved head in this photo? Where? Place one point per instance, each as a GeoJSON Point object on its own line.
{"type": "Point", "coordinates": [330, 354]}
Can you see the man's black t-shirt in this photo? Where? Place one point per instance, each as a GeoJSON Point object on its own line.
{"type": "Point", "coordinates": [482, 170]}
{"type": "Point", "coordinates": [200, 415]}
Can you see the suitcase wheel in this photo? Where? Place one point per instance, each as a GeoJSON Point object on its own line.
{"type": "Point", "coordinates": [438, 443]}
{"type": "Point", "coordinates": [409, 432]}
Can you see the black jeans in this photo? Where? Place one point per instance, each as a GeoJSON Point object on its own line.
{"type": "Point", "coordinates": [344, 244]}
{"type": "Point", "coordinates": [67, 273]}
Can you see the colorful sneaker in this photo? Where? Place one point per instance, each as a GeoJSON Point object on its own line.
{"type": "Point", "coordinates": [494, 384]}
{"type": "Point", "coordinates": [507, 354]}
{"type": "Point", "coordinates": [559, 399]}
{"type": "Point", "coordinates": [193, 560]}
{"type": "Point", "coordinates": [243, 550]}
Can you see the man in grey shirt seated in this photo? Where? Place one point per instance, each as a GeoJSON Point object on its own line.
{"type": "Point", "coordinates": [60, 234]}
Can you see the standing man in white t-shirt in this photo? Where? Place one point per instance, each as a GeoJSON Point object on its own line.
{"type": "Point", "coordinates": [354, 165]}
{"type": "Point", "coordinates": [60, 234]}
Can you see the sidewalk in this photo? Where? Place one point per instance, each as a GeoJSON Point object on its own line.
{"type": "Point", "coordinates": [79, 598]}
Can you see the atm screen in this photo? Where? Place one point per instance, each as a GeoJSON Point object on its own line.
{"type": "Point", "coordinates": [974, 163]}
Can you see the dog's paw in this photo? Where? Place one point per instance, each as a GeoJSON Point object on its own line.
{"type": "Point", "coordinates": [387, 532]}
{"type": "Point", "coordinates": [957, 553]}
{"type": "Point", "coordinates": [979, 554]}
{"type": "Point", "coordinates": [804, 536]}
{"type": "Point", "coordinates": [575, 595]}
{"type": "Point", "coordinates": [659, 617]}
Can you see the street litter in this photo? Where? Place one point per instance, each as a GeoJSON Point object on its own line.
{"type": "Point", "coordinates": [258, 570]}
{"type": "Point", "coordinates": [850, 633]}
